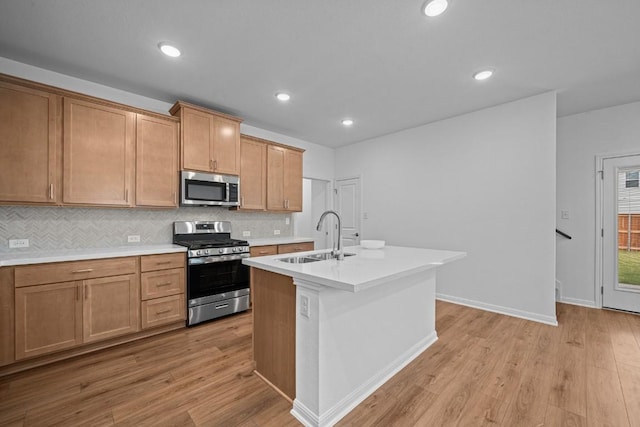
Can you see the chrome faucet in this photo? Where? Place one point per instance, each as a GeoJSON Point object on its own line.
{"type": "Point", "coordinates": [336, 252]}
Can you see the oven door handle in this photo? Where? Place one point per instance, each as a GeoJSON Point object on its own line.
{"type": "Point", "coordinates": [217, 258]}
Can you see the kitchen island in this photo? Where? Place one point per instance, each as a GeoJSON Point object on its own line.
{"type": "Point", "coordinates": [328, 333]}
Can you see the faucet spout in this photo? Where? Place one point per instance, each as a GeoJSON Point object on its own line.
{"type": "Point", "coordinates": [337, 251]}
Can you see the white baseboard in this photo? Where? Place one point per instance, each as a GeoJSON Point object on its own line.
{"type": "Point", "coordinates": [576, 301]}
{"type": "Point", "coordinates": [548, 320]}
{"type": "Point", "coordinates": [353, 399]}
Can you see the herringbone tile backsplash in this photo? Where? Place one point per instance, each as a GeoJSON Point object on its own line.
{"type": "Point", "coordinates": [72, 228]}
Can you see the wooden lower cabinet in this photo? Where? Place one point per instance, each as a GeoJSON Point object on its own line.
{"type": "Point", "coordinates": [48, 318]}
{"type": "Point", "coordinates": [163, 310]}
{"type": "Point", "coordinates": [264, 250]}
{"type": "Point", "coordinates": [295, 247]}
{"type": "Point", "coordinates": [163, 289]}
{"type": "Point", "coordinates": [111, 307]}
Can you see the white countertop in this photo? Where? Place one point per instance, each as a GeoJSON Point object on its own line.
{"type": "Point", "coordinates": [278, 241]}
{"type": "Point", "coordinates": [367, 268]}
{"type": "Point", "coordinates": [23, 258]}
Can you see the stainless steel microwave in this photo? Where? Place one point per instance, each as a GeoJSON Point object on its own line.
{"type": "Point", "coordinates": [207, 189]}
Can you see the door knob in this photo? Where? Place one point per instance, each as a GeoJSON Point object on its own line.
{"type": "Point", "coordinates": [356, 234]}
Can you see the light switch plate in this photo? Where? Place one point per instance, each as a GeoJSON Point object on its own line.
{"type": "Point", "coordinates": [564, 214]}
{"type": "Point", "coordinates": [276, 232]}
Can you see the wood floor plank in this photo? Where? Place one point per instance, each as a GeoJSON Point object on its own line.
{"type": "Point", "coordinates": [599, 348]}
{"type": "Point", "coordinates": [485, 370]}
{"type": "Point", "coordinates": [569, 387]}
{"type": "Point", "coordinates": [557, 417]}
{"type": "Point", "coordinates": [630, 382]}
{"type": "Point", "coordinates": [625, 346]}
{"type": "Point", "coordinates": [605, 402]}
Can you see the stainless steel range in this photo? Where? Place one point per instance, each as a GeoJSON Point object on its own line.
{"type": "Point", "coordinates": [217, 282]}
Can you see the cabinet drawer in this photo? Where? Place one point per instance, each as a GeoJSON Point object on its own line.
{"type": "Point", "coordinates": [162, 283]}
{"type": "Point", "coordinates": [295, 247]}
{"type": "Point", "coordinates": [74, 270]}
{"type": "Point", "coordinates": [162, 262]}
{"type": "Point", "coordinates": [159, 311]}
{"type": "Point", "coordinates": [264, 250]}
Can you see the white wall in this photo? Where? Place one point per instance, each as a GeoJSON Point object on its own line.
{"type": "Point", "coordinates": [483, 183]}
{"type": "Point", "coordinates": [580, 138]}
{"type": "Point", "coordinates": [318, 160]}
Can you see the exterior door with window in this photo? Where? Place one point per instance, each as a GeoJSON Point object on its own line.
{"type": "Point", "coordinates": [621, 233]}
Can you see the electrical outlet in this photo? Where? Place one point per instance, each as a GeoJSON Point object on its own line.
{"type": "Point", "coordinates": [365, 215]}
{"type": "Point", "coordinates": [134, 238]}
{"type": "Point", "coordinates": [564, 214]}
{"type": "Point", "coordinates": [18, 243]}
{"type": "Point", "coordinates": [276, 232]}
{"type": "Point", "coordinates": [246, 234]}
{"type": "Point", "coordinates": [287, 220]}
{"type": "Point", "coordinates": [304, 306]}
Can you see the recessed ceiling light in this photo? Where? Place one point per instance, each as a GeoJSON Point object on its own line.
{"type": "Point", "coordinates": [169, 49]}
{"type": "Point", "coordinates": [282, 96]}
{"type": "Point", "coordinates": [483, 75]}
{"type": "Point", "coordinates": [347, 122]}
{"type": "Point", "coordinates": [433, 8]}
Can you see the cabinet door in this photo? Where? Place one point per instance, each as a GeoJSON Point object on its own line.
{"type": "Point", "coordinates": [275, 178]}
{"type": "Point", "coordinates": [48, 318]}
{"type": "Point", "coordinates": [30, 144]}
{"type": "Point", "coordinates": [197, 133]}
{"type": "Point", "coordinates": [226, 146]}
{"type": "Point", "coordinates": [98, 154]}
{"type": "Point", "coordinates": [253, 174]}
{"type": "Point", "coordinates": [111, 307]}
{"type": "Point", "coordinates": [156, 162]}
{"type": "Point", "coordinates": [293, 180]}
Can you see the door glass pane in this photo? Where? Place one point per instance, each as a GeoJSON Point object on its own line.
{"type": "Point", "coordinates": [628, 228]}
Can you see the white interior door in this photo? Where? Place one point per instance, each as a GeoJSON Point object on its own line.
{"type": "Point", "coordinates": [621, 233]}
{"type": "Point", "coordinates": [348, 206]}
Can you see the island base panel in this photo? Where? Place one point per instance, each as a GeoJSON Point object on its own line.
{"type": "Point", "coordinates": [274, 329]}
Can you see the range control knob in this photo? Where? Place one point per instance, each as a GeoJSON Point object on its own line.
{"type": "Point", "coordinates": [199, 253]}
{"type": "Point", "coordinates": [221, 250]}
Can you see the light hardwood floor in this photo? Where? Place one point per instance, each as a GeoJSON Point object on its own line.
{"type": "Point", "coordinates": [486, 369]}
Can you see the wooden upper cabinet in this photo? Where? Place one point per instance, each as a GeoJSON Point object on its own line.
{"type": "Point", "coordinates": [197, 134]}
{"type": "Point", "coordinates": [209, 141]}
{"type": "Point", "coordinates": [156, 161]}
{"type": "Point", "coordinates": [284, 179]}
{"type": "Point", "coordinates": [29, 145]}
{"type": "Point", "coordinates": [253, 173]}
{"type": "Point", "coordinates": [98, 154]}
{"type": "Point", "coordinates": [226, 145]}
{"type": "Point", "coordinates": [275, 178]}
{"type": "Point", "coordinates": [293, 180]}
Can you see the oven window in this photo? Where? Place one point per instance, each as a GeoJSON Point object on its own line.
{"type": "Point", "coordinates": [204, 190]}
{"type": "Point", "coordinates": [215, 278]}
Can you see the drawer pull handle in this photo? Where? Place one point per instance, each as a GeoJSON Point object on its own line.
{"type": "Point", "coordinates": [163, 311]}
{"type": "Point", "coordinates": [263, 252]}
{"type": "Point", "coordinates": [218, 307]}
{"type": "Point", "coordinates": [163, 262]}
{"type": "Point", "coordinates": [84, 270]}
{"type": "Point", "coordinates": [163, 284]}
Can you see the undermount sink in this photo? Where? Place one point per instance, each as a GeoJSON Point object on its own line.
{"type": "Point", "coordinates": [310, 258]}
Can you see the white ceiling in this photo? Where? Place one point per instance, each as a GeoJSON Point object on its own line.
{"type": "Point", "coordinates": [380, 62]}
